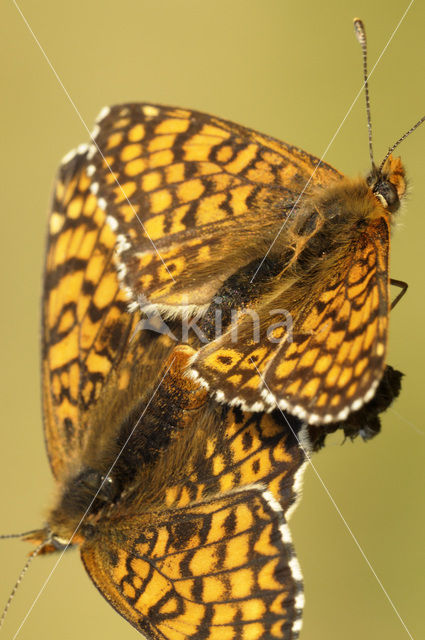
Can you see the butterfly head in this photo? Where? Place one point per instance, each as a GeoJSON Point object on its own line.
{"type": "Point", "coordinates": [78, 507]}
{"type": "Point", "coordinates": [388, 183]}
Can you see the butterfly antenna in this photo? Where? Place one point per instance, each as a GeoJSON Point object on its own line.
{"type": "Point", "coordinates": [403, 137]}
{"type": "Point", "coordinates": [18, 535]}
{"type": "Point", "coordinates": [31, 557]}
{"type": "Point", "coordinates": [360, 32]}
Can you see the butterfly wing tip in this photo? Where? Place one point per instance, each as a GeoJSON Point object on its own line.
{"type": "Point", "coordinates": [258, 406]}
{"type": "Point", "coordinates": [79, 151]}
{"type": "Point", "coordinates": [298, 411]}
{"type": "Point", "coordinates": [255, 407]}
{"type": "Point", "coordinates": [294, 410]}
{"type": "Point", "coordinates": [371, 392]}
{"type": "Point", "coordinates": [296, 627]}
{"type": "Point", "coordinates": [314, 419]}
{"type": "Point", "coordinates": [91, 152]}
{"type": "Point", "coordinates": [103, 113]}
{"type": "Point", "coordinates": [269, 398]}
{"type": "Point", "coordinates": [150, 111]}
{"type": "Point", "coordinates": [95, 132]}
{"type": "Point", "coordinates": [68, 156]}
{"type": "Point", "coordinates": [357, 404]}
{"type": "Point", "coordinates": [299, 602]}
{"type": "Point", "coordinates": [343, 414]}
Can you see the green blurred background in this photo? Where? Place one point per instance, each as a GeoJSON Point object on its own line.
{"type": "Point", "coordinates": [287, 69]}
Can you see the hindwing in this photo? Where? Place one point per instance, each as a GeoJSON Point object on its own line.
{"type": "Point", "coordinates": [323, 359]}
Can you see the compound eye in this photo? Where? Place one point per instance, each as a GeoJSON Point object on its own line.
{"type": "Point", "coordinates": [387, 194]}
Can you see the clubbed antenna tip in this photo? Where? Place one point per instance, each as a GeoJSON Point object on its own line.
{"type": "Point", "coordinates": [360, 31]}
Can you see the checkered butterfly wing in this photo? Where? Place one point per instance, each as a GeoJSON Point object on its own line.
{"type": "Point", "coordinates": [218, 569]}
{"type": "Point", "coordinates": [192, 198]}
{"type": "Point", "coordinates": [86, 350]}
{"type": "Point", "coordinates": [207, 551]}
{"type": "Point", "coordinates": [326, 357]}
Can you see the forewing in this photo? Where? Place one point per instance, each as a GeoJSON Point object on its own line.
{"type": "Point", "coordinates": [191, 196]}
{"type": "Point", "coordinates": [85, 323]}
{"type": "Point", "coordinates": [217, 569]}
{"type": "Point", "coordinates": [327, 358]}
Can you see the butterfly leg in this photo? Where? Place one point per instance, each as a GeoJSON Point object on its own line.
{"type": "Point", "coordinates": [403, 286]}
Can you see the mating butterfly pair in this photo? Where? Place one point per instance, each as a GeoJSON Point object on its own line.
{"type": "Point", "coordinates": [179, 503]}
{"type": "Point", "coordinates": [176, 466]}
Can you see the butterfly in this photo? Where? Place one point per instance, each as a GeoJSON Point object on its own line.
{"type": "Point", "coordinates": [179, 504]}
{"type": "Point", "coordinates": [215, 218]}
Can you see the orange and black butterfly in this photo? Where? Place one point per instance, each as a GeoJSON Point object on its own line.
{"type": "Point", "coordinates": [206, 210]}
{"type": "Point", "coordinates": [179, 504]}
